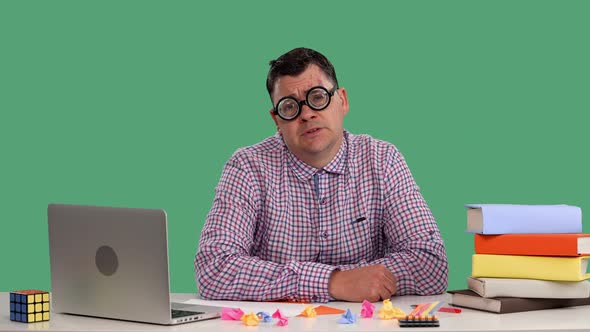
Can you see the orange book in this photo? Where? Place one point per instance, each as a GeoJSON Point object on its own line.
{"type": "Point", "coordinates": [533, 244]}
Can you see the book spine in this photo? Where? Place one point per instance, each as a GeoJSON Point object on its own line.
{"type": "Point", "coordinates": [507, 219]}
{"type": "Point", "coordinates": [469, 299]}
{"type": "Point", "coordinates": [528, 267]}
{"type": "Point", "coordinates": [529, 288]}
{"type": "Point", "coordinates": [527, 244]}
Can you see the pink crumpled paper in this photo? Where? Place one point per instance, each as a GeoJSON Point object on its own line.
{"type": "Point", "coordinates": [367, 309]}
{"type": "Point", "coordinates": [231, 314]}
{"type": "Point", "coordinates": [283, 320]}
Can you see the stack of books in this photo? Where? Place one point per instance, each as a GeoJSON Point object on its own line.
{"type": "Point", "coordinates": [527, 257]}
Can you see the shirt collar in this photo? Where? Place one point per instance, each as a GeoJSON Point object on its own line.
{"type": "Point", "coordinates": [305, 172]}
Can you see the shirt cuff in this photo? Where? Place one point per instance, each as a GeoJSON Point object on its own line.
{"type": "Point", "coordinates": [313, 281]}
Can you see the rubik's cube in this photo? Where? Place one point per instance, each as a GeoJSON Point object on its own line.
{"type": "Point", "coordinates": [29, 306]}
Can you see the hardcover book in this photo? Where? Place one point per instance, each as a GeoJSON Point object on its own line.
{"type": "Point", "coordinates": [502, 305]}
{"type": "Point", "coordinates": [530, 267]}
{"type": "Point", "coordinates": [530, 288]}
{"type": "Point", "coordinates": [533, 244]}
{"type": "Point", "coordinates": [523, 219]}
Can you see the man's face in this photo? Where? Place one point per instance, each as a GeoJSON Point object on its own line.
{"type": "Point", "coordinates": [314, 136]}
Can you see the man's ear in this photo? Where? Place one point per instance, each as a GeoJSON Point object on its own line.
{"type": "Point", "coordinates": [344, 100]}
{"type": "Point", "coordinates": [274, 118]}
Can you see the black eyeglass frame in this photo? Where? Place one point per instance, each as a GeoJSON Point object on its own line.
{"type": "Point", "coordinates": [300, 103]}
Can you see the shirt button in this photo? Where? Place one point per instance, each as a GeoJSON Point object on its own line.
{"type": "Point", "coordinates": [324, 235]}
{"type": "Point", "coordinates": [323, 201]}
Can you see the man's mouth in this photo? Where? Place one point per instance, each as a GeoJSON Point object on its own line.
{"type": "Point", "coordinates": [312, 130]}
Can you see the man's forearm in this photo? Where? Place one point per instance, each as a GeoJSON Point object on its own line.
{"type": "Point", "coordinates": [240, 277]}
{"type": "Point", "coordinates": [418, 271]}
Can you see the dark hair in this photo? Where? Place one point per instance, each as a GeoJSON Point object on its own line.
{"type": "Point", "coordinates": [295, 62]}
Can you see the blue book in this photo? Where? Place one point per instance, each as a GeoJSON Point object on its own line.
{"type": "Point", "coordinates": [523, 219]}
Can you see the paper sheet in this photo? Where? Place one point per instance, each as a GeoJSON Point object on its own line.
{"type": "Point", "coordinates": [288, 309]}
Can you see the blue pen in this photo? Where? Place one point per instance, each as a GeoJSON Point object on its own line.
{"type": "Point", "coordinates": [359, 220]}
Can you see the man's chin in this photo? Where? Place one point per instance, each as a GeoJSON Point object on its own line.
{"type": "Point", "coordinates": [315, 148]}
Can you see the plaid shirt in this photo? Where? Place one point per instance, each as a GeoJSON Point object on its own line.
{"type": "Point", "coordinates": [279, 227]}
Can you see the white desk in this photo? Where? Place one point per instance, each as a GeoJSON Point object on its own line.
{"type": "Point", "coordinates": [565, 319]}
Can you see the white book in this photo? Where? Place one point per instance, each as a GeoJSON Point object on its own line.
{"type": "Point", "coordinates": [523, 219]}
{"type": "Point", "coordinates": [529, 288]}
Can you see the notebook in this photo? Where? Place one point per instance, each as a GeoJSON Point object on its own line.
{"type": "Point", "coordinates": [113, 263]}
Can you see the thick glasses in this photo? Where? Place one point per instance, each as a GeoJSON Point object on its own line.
{"type": "Point", "coordinates": [317, 98]}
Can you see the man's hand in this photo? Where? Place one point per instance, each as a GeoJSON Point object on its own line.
{"type": "Point", "coordinates": [372, 283]}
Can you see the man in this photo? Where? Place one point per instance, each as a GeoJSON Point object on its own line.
{"type": "Point", "coordinates": [315, 213]}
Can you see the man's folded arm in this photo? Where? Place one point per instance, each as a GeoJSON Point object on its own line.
{"type": "Point", "coordinates": [415, 251]}
{"type": "Point", "coordinates": [224, 271]}
{"type": "Point", "coordinates": [225, 268]}
{"type": "Point", "coordinates": [419, 263]}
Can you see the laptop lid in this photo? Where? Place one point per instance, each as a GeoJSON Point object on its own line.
{"type": "Point", "coordinates": [110, 262]}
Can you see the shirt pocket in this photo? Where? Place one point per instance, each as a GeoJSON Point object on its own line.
{"type": "Point", "coordinates": [358, 233]}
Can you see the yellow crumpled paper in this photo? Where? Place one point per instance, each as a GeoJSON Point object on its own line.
{"type": "Point", "coordinates": [250, 319]}
{"type": "Point", "coordinates": [388, 311]}
{"type": "Point", "coordinates": [309, 312]}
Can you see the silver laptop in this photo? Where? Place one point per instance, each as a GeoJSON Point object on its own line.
{"type": "Point", "coordinates": [113, 263]}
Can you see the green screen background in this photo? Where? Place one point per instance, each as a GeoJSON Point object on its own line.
{"type": "Point", "coordinates": [140, 103]}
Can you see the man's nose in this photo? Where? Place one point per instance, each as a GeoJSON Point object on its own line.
{"type": "Point", "coordinates": [307, 113]}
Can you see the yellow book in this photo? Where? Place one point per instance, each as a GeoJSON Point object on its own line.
{"type": "Point", "coordinates": [531, 267]}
